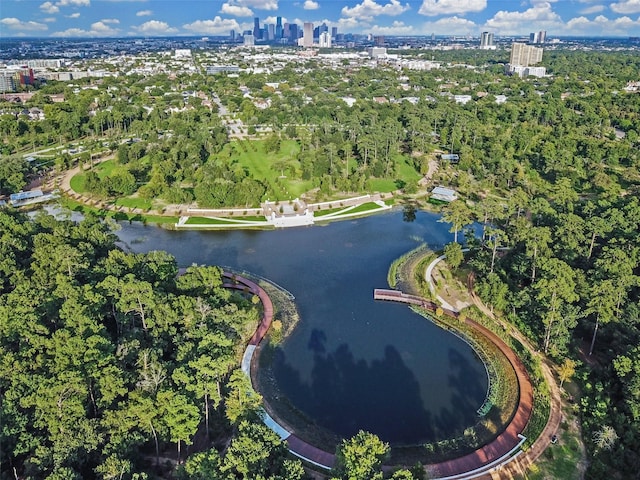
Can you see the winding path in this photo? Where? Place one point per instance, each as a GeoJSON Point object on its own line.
{"type": "Point", "coordinates": [494, 455]}
{"type": "Point", "coordinates": [495, 458]}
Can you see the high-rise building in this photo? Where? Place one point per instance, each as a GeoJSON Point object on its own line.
{"type": "Point", "coordinates": [525, 55]}
{"type": "Point", "coordinates": [486, 41]}
{"type": "Point", "coordinates": [538, 37]}
{"type": "Point", "coordinates": [249, 40]}
{"type": "Point", "coordinates": [256, 28]}
{"type": "Point", "coordinates": [278, 28]}
{"type": "Point", "coordinates": [542, 36]}
{"type": "Point", "coordinates": [271, 32]}
{"type": "Point", "coordinates": [378, 40]}
{"type": "Point", "coordinates": [293, 32]}
{"type": "Point", "coordinates": [334, 32]}
{"type": "Point", "coordinates": [232, 35]}
{"type": "Point", "coordinates": [7, 82]}
{"type": "Point", "coordinates": [307, 35]}
{"type": "Point", "coordinates": [325, 40]}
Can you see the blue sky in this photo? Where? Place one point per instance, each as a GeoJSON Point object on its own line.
{"type": "Point", "coordinates": [118, 18]}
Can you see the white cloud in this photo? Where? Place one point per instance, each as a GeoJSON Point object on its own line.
{"type": "Point", "coordinates": [602, 25]}
{"type": "Point", "coordinates": [155, 27]}
{"type": "Point", "coordinates": [369, 9]}
{"type": "Point", "coordinates": [77, 3]}
{"type": "Point", "coordinates": [450, 26]}
{"type": "Point", "coordinates": [257, 4]}
{"type": "Point", "coordinates": [432, 8]}
{"type": "Point", "coordinates": [110, 20]}
{"type": "Point", "coordinates": [217, 26]}
{"type": "Point", "coordinates": [592, 9]}
{"type": "Point", "coordinates": [101, 29]}
{"type": "Point", "coordinates": [514, 23]}
{"type": "Point", "coordinates": [236, 10]}
{"type": "Point", "coordinates": [351, 24]}
{"type": "Point", "coordinates": [396, 28]}
{"type": "Point", "coordinates": [49, 19]}
{"type": "Point", "coordinates": [626, 6]}
{"type": "Point", "coordinates": [48, 7]}
{"type": "Point", "coordinates": [74, 15]}
{"type": "Point", "coordinates": [72, 32]}
{"type": "Point", "coordinates": [144, 13]}
{"type": "Point", "coordinates": [272, 19]}
{"type": "Point", "coordinates": [13, 23]}
{"type": "Point", "coordinates": [310, 5]}
{"type": "Point", "coordinates": [98, 29]}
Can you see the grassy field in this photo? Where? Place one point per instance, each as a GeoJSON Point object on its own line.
{"type": "Point", "coordinates": [268, 166]}
{"type": "Point", "coordinates": [220, 221]}
{"type": "Point", "coordinates": [101, 212]}
{"type": "Point", "coordinates": [103, 170]}
{"type": "Point", "coordinates": [134, 202]}
{"type": "Point", "coordinates": [565, 458]}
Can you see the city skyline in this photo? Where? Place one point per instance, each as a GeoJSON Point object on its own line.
{"type": "Point", "coordinates": [121, 18]}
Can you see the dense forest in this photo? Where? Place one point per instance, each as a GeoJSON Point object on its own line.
{"type": "Point", "coordinates": [112, 365]}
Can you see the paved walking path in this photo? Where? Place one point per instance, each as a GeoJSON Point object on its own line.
{"type": "Point", "coordinates": [494, 455]}
{"type": "Point", "coordinates": [501, 458]}
{"type": "Point", "coordinates": [521, 462]}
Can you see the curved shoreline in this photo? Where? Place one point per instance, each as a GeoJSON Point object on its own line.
{"type": "Point", "coordinates": [506, 445]}
{"type": "Point", "coordinates": [488, 458]}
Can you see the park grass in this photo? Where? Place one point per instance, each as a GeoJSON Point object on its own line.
{"type": "Point", "coordinates": [221, 221]}
{"type": "Point", "coordinates": [385, 185]}
{"type": "Point", "coordinates": [365, 207]}
{"type": "Point", "coordinates": [119, 216]}
{"type": "Point", "coordinates": [563, 459]}
{"type": "Point", "coordinates": [134, 202]}
{"type": "Point", "coordinates": [103, 169]}
{"type": "Point", "coordinates": [262, 166]}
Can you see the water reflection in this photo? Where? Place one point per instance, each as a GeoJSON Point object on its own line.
{"type": "Point", "coordinates": [351, 362]}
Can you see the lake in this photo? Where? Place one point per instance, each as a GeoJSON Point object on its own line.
{"type": "Point", "coordinates": [351, 363]}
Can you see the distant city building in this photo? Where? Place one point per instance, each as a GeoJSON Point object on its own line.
{"type": "Point", "coordinates": [325, 40]}
{"type": "Point", "coordinates": [522, 71]}
{"type": "Point", "coordinates": [377, 52]}
{"type": "Point", "coordinates": [378, 40]}
{"type": "Point", "coordinates": [293, 33]}
{"type": "Point", "coordinates": [334, 32]}
{"type": "Point", "coordinates": [232, 35]}
{"type": "Point", "coordinates": [279, 33]}
{"type": "Point", "coordinates": [307, 35]}
{"type": "Point", "coordinates": [182, 53]}
{"type": "Point", "coordinates": [486, 41]}
{"type": "Point", "coordinates": [7, 82]}
{"type": "Point", "coordinates": [45, 63]}
{"type": "Point", "coordinates": [214, 69]}
{"type": "Point", "coordinates": [538, 37]}
{"type": "Point", "coordinates": [256, 28]}
{"type": "Point", "coordinates": [525, 55]}
{"type": "Point", "coordinates": [249, 40]}
{"type": "Point", "coordinates": [271, 31]}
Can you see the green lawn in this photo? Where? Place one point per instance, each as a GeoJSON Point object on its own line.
{"type": "Point", "coordinates": [382, 185]}
{"type": "Point", "coordinates": [264, 166]}
{"type": "Point", "coordinates": [103, 170]}
{"type": "Point", "coordinates": [132, 217]}
{"type": "Point", "coordinates": [134, 202]}
{"type": "Point", "coordinates": [220, 221]}
{"type": "Point", "coordinates": [365, 207]}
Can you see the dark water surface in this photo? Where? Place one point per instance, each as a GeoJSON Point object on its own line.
{"type": "Point", "coordinates": [351, 363]}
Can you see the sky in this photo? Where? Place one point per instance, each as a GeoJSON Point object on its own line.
{"type": "Point", "coordinates": [122, 18]}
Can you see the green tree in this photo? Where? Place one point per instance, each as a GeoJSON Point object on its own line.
{"type": "Point", "coordinates": [454, 254]}
{"type": "Point", "coordinates": [361, 457]}
{"type": "Point", "coordinates": [458, 215]}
